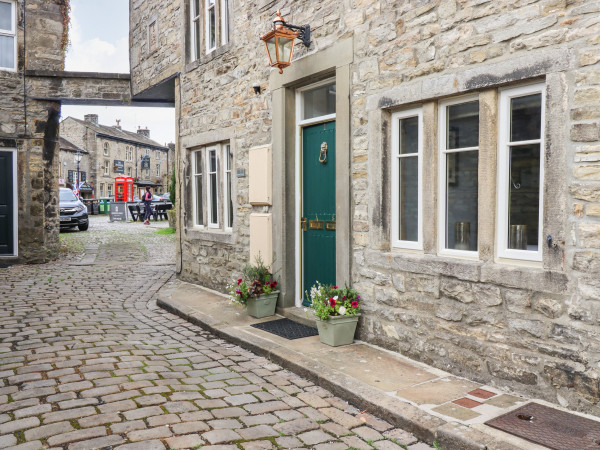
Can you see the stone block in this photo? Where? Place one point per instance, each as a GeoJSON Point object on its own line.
{"type": "Point", "coordinates": [585, 132]}
{"type": "Point", "coordinates": [589, 235]}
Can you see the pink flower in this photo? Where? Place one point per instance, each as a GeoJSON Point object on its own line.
{"type": "Point", "coordinates": [238, 292]}
{"type": "Point", "coordinates": [239, 281]}
{"type": "Point", "coordinates": [335, 287]}
{"type": "Point", "coordinates": [354, 304]}
{"type": "Point", "coordinates": [331, 302]}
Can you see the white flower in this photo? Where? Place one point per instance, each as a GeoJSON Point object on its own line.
{"type": "Point", "coordinates": [342, 311]}
{"type": "Point", "coordinates": [335, 298]}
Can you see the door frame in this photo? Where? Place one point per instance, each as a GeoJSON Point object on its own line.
{"type": "Point", "coordinates": [300, 124]}
{"type": "Point", "coordinates": [15, 253]}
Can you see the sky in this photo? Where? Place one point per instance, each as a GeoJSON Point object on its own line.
{"type": "Point", "coordinates": [99, 42]}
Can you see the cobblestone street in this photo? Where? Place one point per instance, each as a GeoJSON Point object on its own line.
{"type": "Point", "coordinates": [87, 360]}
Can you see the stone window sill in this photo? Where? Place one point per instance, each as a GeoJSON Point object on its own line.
{"type": "Point", "coordinates": [216, 53]}
{"type": "Point", "coordinates": [209, 234]}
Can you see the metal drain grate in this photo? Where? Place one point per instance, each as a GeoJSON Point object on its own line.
{"type": "Point", "coordinates": [550, 427]}
{"type": "Point", "coordinates": [287, 328]}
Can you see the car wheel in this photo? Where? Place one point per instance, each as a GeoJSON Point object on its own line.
{"type": "Point", "coordinates": [83, 227]}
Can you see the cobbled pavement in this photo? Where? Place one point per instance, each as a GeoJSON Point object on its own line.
{"type": "Point", "coordinates": [88, 361]}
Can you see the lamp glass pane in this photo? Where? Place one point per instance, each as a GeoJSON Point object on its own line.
{"type": "Point", "coordinates": [272, 51]}
{"type": "Point", "coordinates": [285, 49]}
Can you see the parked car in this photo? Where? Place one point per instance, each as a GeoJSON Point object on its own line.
{"type": "Point", "coordinates": [166, 197]}
{"type": "Point", "coordinates": [73, 212]}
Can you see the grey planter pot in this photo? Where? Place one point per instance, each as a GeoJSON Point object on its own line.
{"type": "Point", "coordinates": [337, 330]}
{"type": "Point", "coordinates": [263, 306]}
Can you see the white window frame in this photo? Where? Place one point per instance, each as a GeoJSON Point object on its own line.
{"type": "Point", "coordinates": [147, 152]}
{"type": "Point", "coordinates": [226, 187]}
{"type": "Point", "coordinates": [224, 21]}
{"type": "Point", "coordinates": [196, 172]}
{"type": "Point", "coordinates": [157, 154]}
{"type": "Point", "coordinates": [109, 189]}
{"type": "Point", "coordinates": [396, 118]}
{"type": "Point", "coordinates": [195, 16]}
{"type": "Point", "coordinates": [158, 170]}
{"type": "Point", "coordinates": [505, 97]}
{"type": "Point", "coordinates": [11, 33]}
{"type": "Point", "coordinates": [442, 126]}
{"type": "Point", "coordinates": [129, 171]}
{"type": "Point", "coordinates": [207, 9]}
{"type": "Point", "coordinates": [106, 149]}
{"type": "Point", "coordinates": [101, 189]}
{"type": "Point", "coordinates": [209, 210]}
{"type": "Point", "coordinates": [106, 167]}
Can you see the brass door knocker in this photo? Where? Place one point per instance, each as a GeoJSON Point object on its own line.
{"type": "Point", "coordinates": [323, 155]}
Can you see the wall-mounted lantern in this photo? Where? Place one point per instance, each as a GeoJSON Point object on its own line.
{"type": "Point", "coordinates": [279, 42]}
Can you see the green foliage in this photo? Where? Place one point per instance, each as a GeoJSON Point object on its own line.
{"type": "Point", "coordinates": [167, 230]}
{"type": "Point", "coordinates": [437, 446]}
{"type": "Point", "coordinates": [256, 280]}
{"type": "Point", "coordinates": [172, 187]}
{"type": "Point", "coordinates": [330, 300]}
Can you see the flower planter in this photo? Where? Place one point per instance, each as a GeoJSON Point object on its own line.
{"type": "Point", "coordinates": [337, 330]}
{"type": "Point", "coordinates": [263, 305]}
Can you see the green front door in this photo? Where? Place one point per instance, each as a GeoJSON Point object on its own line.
{"type": "Point", "coordinates": [6, 204]}
{"type": "Point", "coordinates": [318, 205]}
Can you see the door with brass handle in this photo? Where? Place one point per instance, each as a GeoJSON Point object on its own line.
{"type": "Point", "coordinates": [318, 235]}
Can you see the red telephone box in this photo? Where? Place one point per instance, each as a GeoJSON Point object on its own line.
{"type": "Point", "coordinates": [123, 189]}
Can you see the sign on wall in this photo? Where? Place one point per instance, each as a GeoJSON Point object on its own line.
{"type": "Point", "coordinates": [119, 166]}
{"type": "Point", "coordinates": [146, 162]}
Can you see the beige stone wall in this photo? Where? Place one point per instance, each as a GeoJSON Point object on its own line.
{"type": "Point", "coordinates": [149, 63]}
{"type": "Point", "coordinates": [25, 124]}
{"type": "Point", "coordinates": [532, 328]}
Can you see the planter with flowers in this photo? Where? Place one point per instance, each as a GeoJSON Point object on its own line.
{"type": "Point", "coordinates": [256, 290]}
{"type": "Point", "coordinates": [337, 312]}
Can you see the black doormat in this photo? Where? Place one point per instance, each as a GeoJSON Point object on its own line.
{"type": "Point", "coordinates": [287, 328]}
{"type": "Point", "coordinates": [550, 427]}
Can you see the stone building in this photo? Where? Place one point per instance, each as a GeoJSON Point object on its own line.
{"type": "Point", "coordinates": [115, 152]}
{"type": "Point", "coordinates": [452, 145]}
{"type": "Point", "coordinates": [28, 132]}
{"type": "Point", "coordinates": [68, 172]}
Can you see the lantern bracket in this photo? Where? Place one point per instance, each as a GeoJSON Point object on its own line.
{"type": "Point", "coordinates": [303, 32]}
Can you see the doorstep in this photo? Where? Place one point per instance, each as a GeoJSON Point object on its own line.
{"type": "Point", "coordinates": [432, 404]}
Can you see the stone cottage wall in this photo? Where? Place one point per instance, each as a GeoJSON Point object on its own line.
{"type": "Point", "coordinates": [32, 127]}
{"type": "Point", "coordinates": [531, 328]}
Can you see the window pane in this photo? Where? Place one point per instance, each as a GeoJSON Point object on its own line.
{"type": "Point", "coordinates": [229, 201]}
{"type": "Point", "coordinates": [409, 135]}
{"type": "Point", "coordinates": [198, 165]}
{"type": "Point", "coordinates": [463, 125]}
{"type": "Point", "coordinates": [319, 101]}
{"type": "Point", "coordinates": [197, 39]}
{"type": "Point", "coordinates": [7, 52]}
{"type": "Point", "coordinates": [196, 8]}
{"type": "Point", "coordinates": [461, 200]}
{"type": "Point", "coordinates": [409, 199]}
{"type": "Point", "coordinates": [526, 118]}
{"type": "Point", "coordinates": [213, 198]}
{"type": "Point", "coordinates": [524, 193]}
{"type": "Point", "coordinates": [6, 16]}
{"type": "Point", "coordinates": [212, 33]}
{"type": "Point", "coordinates": [198, 206]}
{"type": "Point", "coordinates": [213, 161]}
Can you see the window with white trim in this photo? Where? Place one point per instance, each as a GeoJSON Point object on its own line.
{"type": "Point", "coordinates": [106, 167]}
{"type": "Point", "coordinates": [228, 158]}
{"type": "Point", "coordinates": [224, 21]}
{"type": "Point", "coordinates": [407, 132]}
{"type": "Point", "coordinates": [212, 186]}
{"type": "Point", "coordinates": [197, 190]}
{"type": "Point", "coordinates": [110, 189]}
{"type": "Point", "coordinates": [459, 184]}
{"type": "Point", "coordinates": [129, 171]}
{"type": "Point", "coordinates": [158, 170]}
{"type": "Point", "coordinates": [157, 154]}
{"type": "Point", "coordinates": [213, 190]}
{"type": "Point", "coordinates": [521, 172]}
{"type": "Point", "coordinates": [106, 149]}
{"type": "Point", "coordinates": [8, 35]}
{"type": "Point", "coordinates": [210, 25]}
{"type": "Point", "coordinates": [195, 28]}
{"type": "Point", "coordinates": [101, 189]}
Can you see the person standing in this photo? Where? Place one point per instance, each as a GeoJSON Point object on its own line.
{"type": "Point", "coordinates": [147, 199]}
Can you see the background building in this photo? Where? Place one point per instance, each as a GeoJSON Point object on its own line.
{"type": "Point", "coordinates": [68, 168]}
{"type": "Point", "coordinates": [114, 152]}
